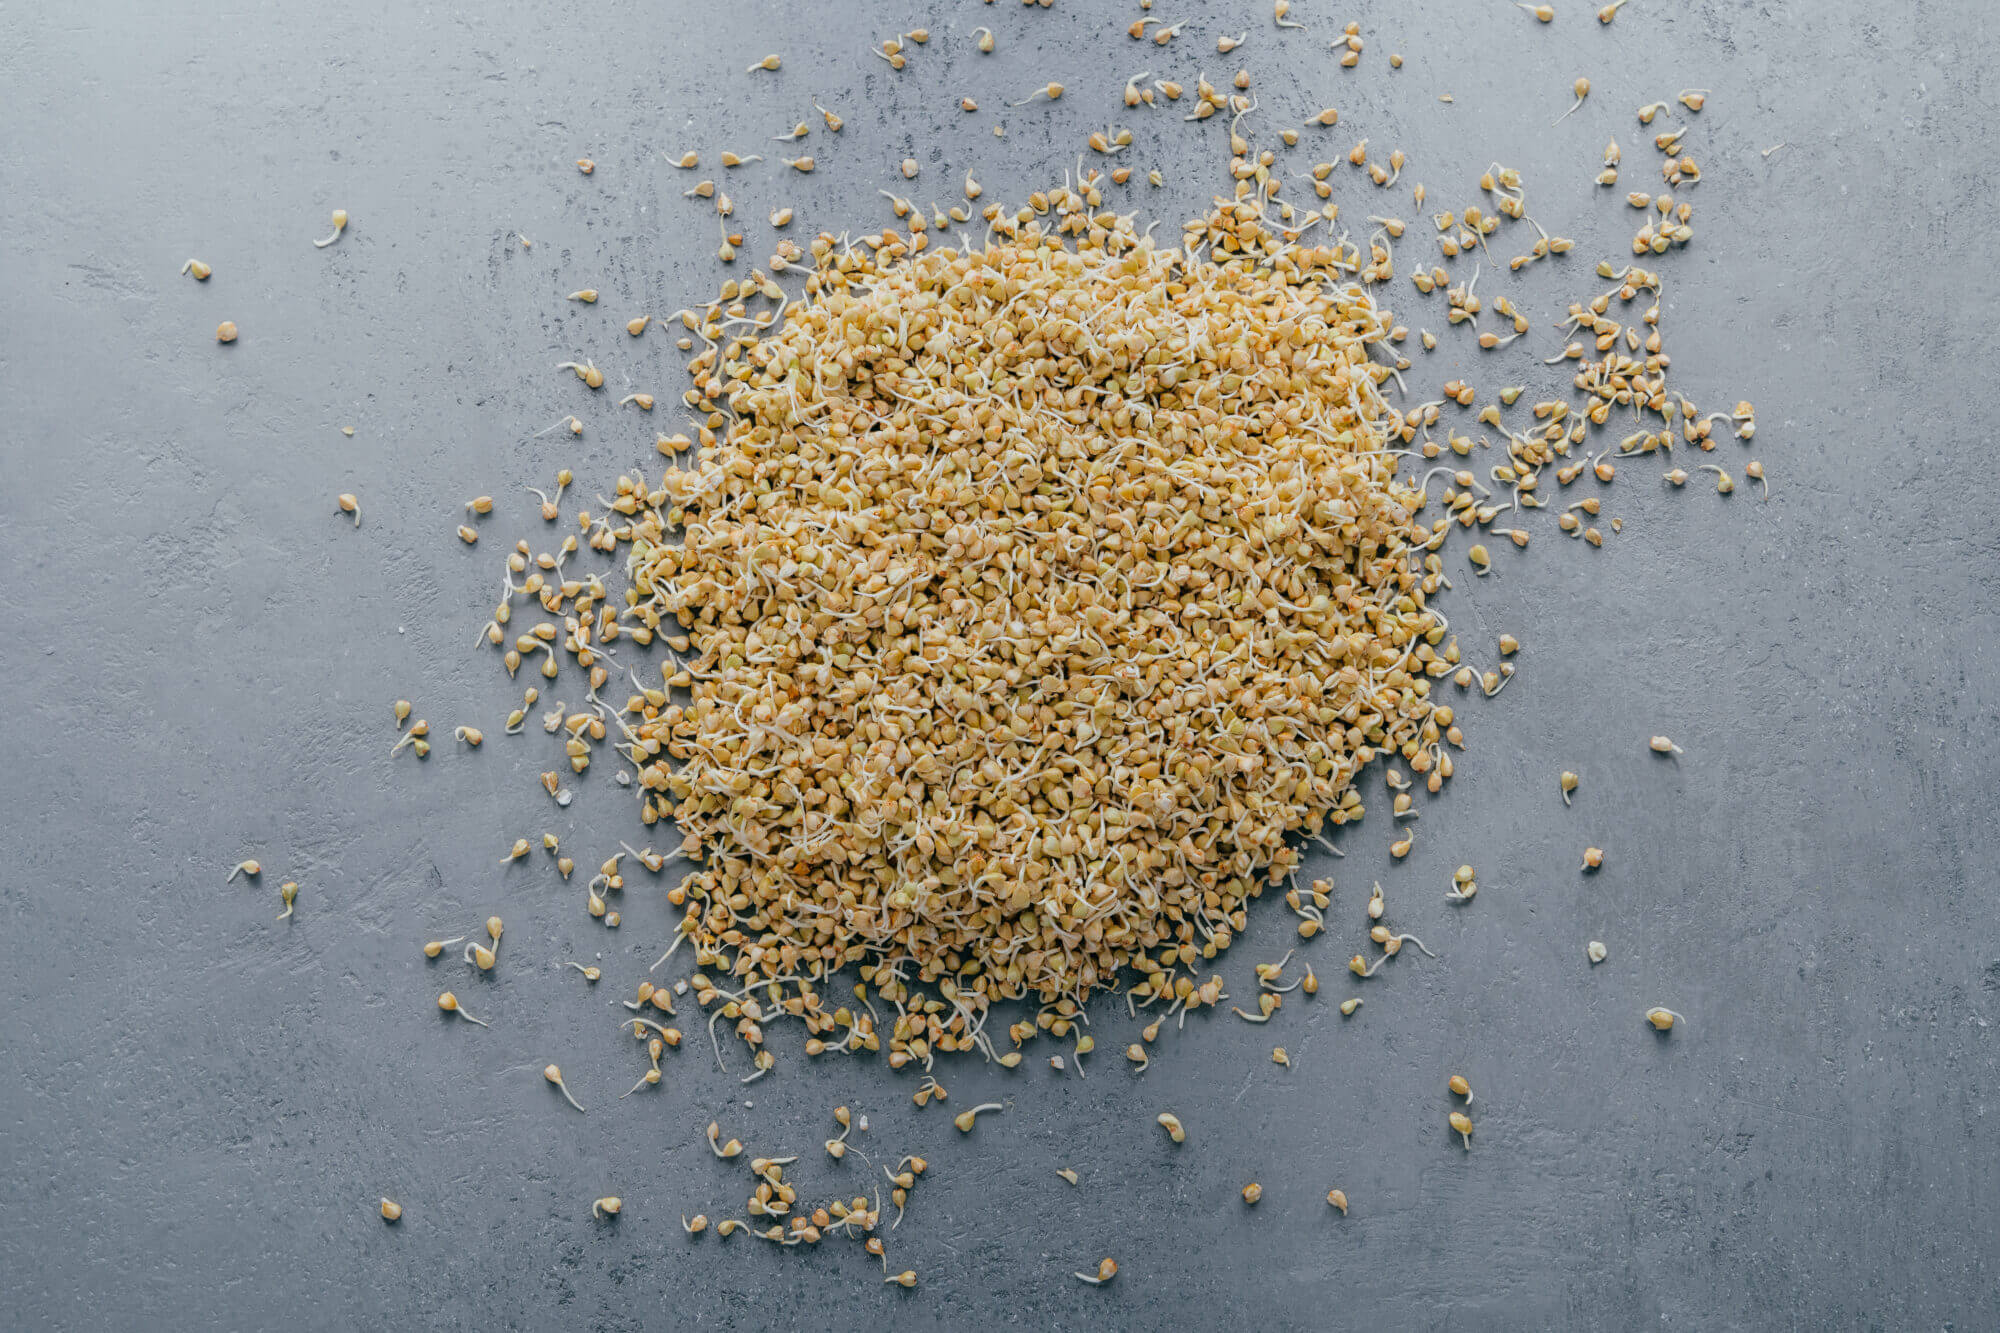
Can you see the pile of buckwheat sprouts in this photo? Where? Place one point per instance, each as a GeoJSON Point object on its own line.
{"type": "Point", "coordinates": [1033, 597]}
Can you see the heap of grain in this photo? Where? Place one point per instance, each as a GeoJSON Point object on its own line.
{"type": "Point", "coordinates": [1033, 596]}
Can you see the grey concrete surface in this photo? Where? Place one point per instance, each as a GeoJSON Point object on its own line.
{"type": "Point", "coordinates": [201, 1105]}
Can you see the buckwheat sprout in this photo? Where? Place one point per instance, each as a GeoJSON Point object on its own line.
{"type": "Point", "coordinates": [197, 269]}
{"type": "Point", "coordinates": [391, 1210]}
{"type": "Point", "coordinates": [1568, 785]}
{"type": "Point", "coordinates": [1593, 857]}
{"type": "Point", "coordinates": [608, 1206]}
{"type": "Point", "coordinates": [651, 1077]}
{"type": "Point", "coordinates": [906, 1278]}
{"type": "Point", "coordinates": [1106, 1270]}
{"type": "Point", "coordinates": [1337, 1199]}
{"type": "Point", "coordinates": [769, 62]}
{"type": "Point", "coordinates": [1360, 967]}
{"type": "Point", "coordinates": [670, 1036]}
{"type": "Point", "coordinates": [479, 956]}
{"type": "Point", "coordinates": [225, 332]}
{"type": "Point", "coordinates": [289, 892]}
{"type": "Point", "coordinates": [1282, 8]}
{"type": "Point", "coordinates": [964, 1119]}
{"type": "Point", "coordinates": [716, 1146]}
{"type": "Point", "coordinates": [436, 947]}
{"type": "Point", "coordinates": [1582, 90]}
{"type": "Point", "coordinates": [1396, 942]}
{"type": "Point", "coordinates": [516, 852]}
{"type": "Point", "coordinates": [1460, 1087]}
{"type": "Point", "coordinates": [585, 371]}
{"type": "Point", "coordinates": [833, 122]}
{"type": "Point", "coordinates": [697, 1224]}
{"type": "Point", "coordinates": [339, 226]}
{"type": "Point", "coordinates": [1664, 745]}
{"type": "Point", "coordinates": [1052, 91]}
{"type": "Point", "coordinates": [1596, 952]}
{"type": "Point", "coordinates": [1349, 1005]}
{"type": "Point", "coordinates": [248, 869]}
{"type": "Point", "coordinates": [589, 973]}
{"type": "Point", "coordinates": [449, 1003]}
{"type": "Point", "coordinates": [1546, 13]}
{"type": "Point", "coordinates": [554, 1075]}
{"type": "Point", "coordinates": [1663, 1019]}
{"type": "Point", "coordinates": [349, 504]}
{"type": "Point", "coordinates": [985, 40]}
{"type": "Point", "coordinates": [1252, 1192]}
{"type": "Point", "coordinates": [1172, 1124]}
{"type": "Point", "coordinates": [1461, 1124]}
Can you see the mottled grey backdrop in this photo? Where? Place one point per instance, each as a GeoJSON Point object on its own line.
{"type": "Point", "coordinates": [200, 1106]}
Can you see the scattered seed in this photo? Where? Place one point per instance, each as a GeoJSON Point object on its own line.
{"type": "Point", "coordinates": [1582, 90]}
{"type": "Point", "coordinates": [449, 1003]}
{"type": "Point", "coordinates": [339, 226]}
{"type": "Point", "coordinates": [554, 1075]}
{"type": "Point", "coordinates": [225, 332]}
{"type": "Point", "coordinates": [964, 1119]}
{"type": "Point", "coordinates": [1106, 1270]}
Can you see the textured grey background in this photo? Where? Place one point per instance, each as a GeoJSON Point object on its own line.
{"type": "Point", "coordinates": [200, 1106]}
